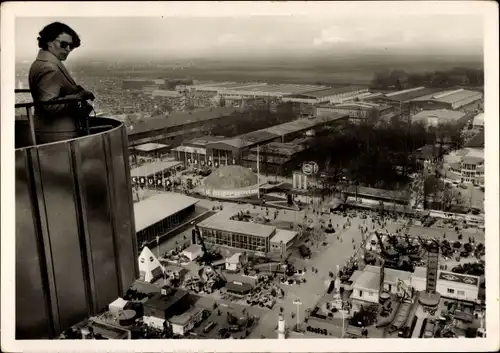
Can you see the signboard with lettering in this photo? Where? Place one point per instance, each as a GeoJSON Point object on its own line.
{"type": "Point", "coordinates": [142, 181]}
{"type": "Point", "coordinates": [310, 168]}
{"type": "Point", "coordinates": [232, 193]}
{"type": "Point", "coordinates": [134, 180]}
{"type": "Point", "coordinates": [455, 277]}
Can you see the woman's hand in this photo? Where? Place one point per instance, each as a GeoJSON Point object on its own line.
{"type": "Point", "coordinates": [85, 95]}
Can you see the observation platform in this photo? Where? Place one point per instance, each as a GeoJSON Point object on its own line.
{"type": "Point", "coordinates": [76, 248]}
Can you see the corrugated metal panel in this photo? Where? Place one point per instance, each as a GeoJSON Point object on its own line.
{"type": "Point", "coordinates": [75, 239]}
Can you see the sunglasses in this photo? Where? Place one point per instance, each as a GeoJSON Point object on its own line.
{"type": "Point", "coordinates": [64, 44]}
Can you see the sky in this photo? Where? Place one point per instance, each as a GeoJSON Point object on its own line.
{"type": "Point", "coordinates": [261, 36]}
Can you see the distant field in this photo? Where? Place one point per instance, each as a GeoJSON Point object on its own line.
{"type": "Point", "coordinates": [339, 70]}
{"type": "Point", "coordinates": [295, 76]}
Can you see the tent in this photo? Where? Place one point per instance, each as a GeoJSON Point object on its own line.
{"type": "Point", "coordinates": [192, 252]}
{"type": "Point", "coordinates": [150, 268]}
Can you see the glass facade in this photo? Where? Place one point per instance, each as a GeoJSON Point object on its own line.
{"type": "Point", "coordinates": [164, 226]}
{"type": "Point", "coordinates": [222, 157]}
{"type": "Point", "coordinates": [235, 240]}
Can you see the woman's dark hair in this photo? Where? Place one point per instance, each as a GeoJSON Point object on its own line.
{"type": "Point", "coordinates": [52, 31]}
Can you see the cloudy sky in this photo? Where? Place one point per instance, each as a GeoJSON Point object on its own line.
{"type": "Point", "coordinates": [267, 36]}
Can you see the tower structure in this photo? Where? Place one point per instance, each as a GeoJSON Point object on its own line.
{"type": "Point", "coordinates": [76, 248]}
{"type": "Point", "coordinates": [429, 299]}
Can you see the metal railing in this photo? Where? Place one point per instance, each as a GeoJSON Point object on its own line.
{"type": "Point", "coordinates": [88, 129]}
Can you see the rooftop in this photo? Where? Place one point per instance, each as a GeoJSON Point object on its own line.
{"type": "Point", "coordinates": [477, 141]}
{"type": "Point", "coordinates": [420, 272]}
{"type": "Point", "coordinates": [153, 168]}
{"type": "Point", "coordinates": [193, 248]}
{"type": "Point", "coordinates": [472, 160]}
{"type": "Point", "coordinates": [298, 125]}
{"type": "Point", "coordinates": [258, 230]}
{"type": "Point", "coordinates": [331, 91]}
{"type": "Point", "coordinates": [284, 236]}
{"type": "Point", "coordinates": [405, 96]}
{"type": "Point", "coordinates": [107, 330]}
{"type": "Point", "coordinates": [284, 149]}
{"type": "Point", "coordinates": [203, 141]}
{"type": "Point", "coordinates": [185, 317]}
{"type": "Point", "coordinates": [258, 136]}
{"type": "Point", "coordinates": [238, 288]}
{"type": "Point", "coordinates": [164, 303]}
{"type": "Point", "coordinates": [356, 274]}
{"type": "Point", "coordinates": [459, 95]}
{"type": "Point", "coordinates": [361, 105]}
{"type": "Point", "coordinates": [368, 280]}
{"type": "Point", "coordinates": [478, 119]}
{"type": "Point", "coordinates": [148, 147]}
{"type": "Point", "coordinates": [158, 207]}
{"type": "Point", "coordinates": [441, 114]}
{"type": "Point", "coordinates": [231, 177]}
{"type": "Point", "coordinates": [391, 275]}
{"type": "Point", "coordinates": [236, 142]}
{"type": "Point", "coordinates": [179, 119]}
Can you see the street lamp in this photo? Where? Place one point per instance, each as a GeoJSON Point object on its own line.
{"type": "Point", "coordinates": [343, 323]}
{"type": "Point", "coordinates": [298, 303]}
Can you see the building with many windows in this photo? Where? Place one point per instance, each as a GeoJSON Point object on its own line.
{"type": "Point", "coordinates": [432, 118]}
{"type": "Point", "coordinates": [217, 151]}
{"type": "Point", "coordinates": [160, 214]}
{"type": "Point", "coordinates": [459, 99]}
{"type": "Point", "coordinates": [357, 111]}
{"type": "Point", "coordinates": [276, 158]}
{"type": "Point", "coordinates": [177, 125]}
{"type": "Point", "coordinates": [449, 285]}
{"type": "Point", "coordinates": [245, 236]}
{"type": "Point", "coordinates": [330, 95]}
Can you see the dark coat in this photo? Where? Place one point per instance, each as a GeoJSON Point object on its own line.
{"type": "Point", "coordinates": [49, 80]}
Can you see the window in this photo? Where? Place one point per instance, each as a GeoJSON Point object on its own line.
{"type": "Point", "coordinates": [461, 292]}
{"type": "Point", "coordinates": [451, 291]}
{"type": "Point", "coordinates": [360, 293]}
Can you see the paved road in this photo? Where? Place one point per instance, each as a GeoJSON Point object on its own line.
{"type": "Point", "coordinates": [337, 252]}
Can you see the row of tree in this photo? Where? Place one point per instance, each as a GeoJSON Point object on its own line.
{"type": "Point", "coordinates": [376, 155]}
{"type": "Point", "coordinates": [400, 79]}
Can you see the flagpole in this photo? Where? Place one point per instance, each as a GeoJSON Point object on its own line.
{"type": "Point", "coordinates": [258, 173]}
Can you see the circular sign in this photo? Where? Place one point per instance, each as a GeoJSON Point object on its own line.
{"type": "Point", "coordinates": [307, 169]}
{"type": "Point", "coordinates": [151, 181]}
{"type": "Point", "coordinates": [159, 182]}
{"type": "Point", "coordinates": [142, 181]}
{"type": "Point", "coordinates": [315, 167]}
{"type": "Point", "coordinates": [134, 180]}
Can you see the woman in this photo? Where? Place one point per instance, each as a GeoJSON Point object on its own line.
{"type": "Point", "coordinates": [49, 80]}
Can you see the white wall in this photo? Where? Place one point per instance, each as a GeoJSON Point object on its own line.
{"type": "Point", "coordinates": [366, 295]}
{"type": "Point", "coordinates": [154, 322]}
{"type": "Point", "coordinates": [418, 283]}
{"type": "Point", "coordinates": [460, 291]}
{"type": "Point", "coordinates": [177, 329]}
{"type": "Point", "coordinates": [231, 267]}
